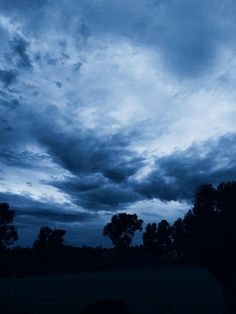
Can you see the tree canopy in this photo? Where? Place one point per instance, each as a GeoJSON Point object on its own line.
{"type": "Point", "coordinates": [8, 232]}
{"type": "Point", "coordinates": [49, 239]}
{"type": "Point", "coordinates": [122, 228]}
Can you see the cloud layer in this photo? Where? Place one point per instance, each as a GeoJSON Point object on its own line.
{"type": "Point", "coordinates": [113, 105]}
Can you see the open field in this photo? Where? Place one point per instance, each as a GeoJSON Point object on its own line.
{"type": "Point", "coordinates": [148, 291]}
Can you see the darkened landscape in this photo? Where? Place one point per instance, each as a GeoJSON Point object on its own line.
{"type": "Point", "coordinates": [202, 241]}
{"type": "Point", "coordinates": [117, 156]}
{"type": "Point", "coordinates": [150, 290]}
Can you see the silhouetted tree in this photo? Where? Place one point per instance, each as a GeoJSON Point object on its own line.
{"type": "Point", "coordinates": [163, 236]}
{"type": "Point", "coordinates": [201, 223]}
{"type": "Point", "coordinates": [49, 239]}
{"type": "Point", "coordinates": [158, 238]}
{"type": "Point", "coordinates": [211, 234]}
{"type": "Point", "coordinates": [179, 239]}
{"type": "Point", "coordinates": [8, 232]}
{"type": "Point", "coordinates": [121, 229]}
{"type": "Point", "coordinates": [150, 237]}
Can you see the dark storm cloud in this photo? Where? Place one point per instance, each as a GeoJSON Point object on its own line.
{"type": "Point", "coordinates": [23, 4]}
{"type": "Point", "coordinates": [14, 125]}
{"type": "Point", "coordinates": [7, 77]}
{"type": "Point", "coordinates": [23, 159]}
{"type": "Point", "coordinates": [178, 175]}
{"type": "Point", "coordinates": [51, 215]}
{"type": "Point", "coordinates": [98, 193]}
{"type": "Point", "coordinates": [19, 49]}
{"type": "Point", "coordinates": [30, 12]}
{"type": "Point", "coordinates": [186, 33]}
{"type": "Point", "coordinates": [188, 37]}
{"type": "Point", "coordinates": [25, 206]}
{"type": "Point", "coordinates": [174, 177]}
{"type": "Point", "coordinates": [83, 151]}
{"type": "Point", "coordinates": [100, 165]}
{"type": "Point", "coordinates": [66, 74]}
{"type": "Point", "coordinates": [32, 214]}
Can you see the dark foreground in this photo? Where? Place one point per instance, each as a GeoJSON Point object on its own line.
{"type": "Point", "coordinates": [169, 290]}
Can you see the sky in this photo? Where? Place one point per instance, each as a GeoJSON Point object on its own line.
{"type": "Point", "coordinates": [109, 106]}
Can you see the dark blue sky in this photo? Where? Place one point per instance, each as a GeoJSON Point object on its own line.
{"type": "Point", "coordinates": [113, 105]}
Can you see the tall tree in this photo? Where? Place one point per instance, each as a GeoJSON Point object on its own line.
{"type": "Point", "coordinates": [150, 237]}
{"type": "Point", "coordinates": [164, 244]}
{"type": "Point", "coordinates": [211, 234]}
{"type": "Point", "coordinates": [8, 232]}
{"type": "Point", "coordinates": [122, 228]}
{"type": "Point", "coordinates": [179, 239]}
{"type": "Point", "coordinates": [49, 239]}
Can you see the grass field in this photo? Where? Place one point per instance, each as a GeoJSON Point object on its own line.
{"type": "Point", "coordinates": [148, 291]}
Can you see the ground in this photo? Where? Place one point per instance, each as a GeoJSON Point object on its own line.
{"type": "Point", "coordinates": [147, 291]}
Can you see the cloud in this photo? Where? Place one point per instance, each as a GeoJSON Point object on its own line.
{"type": "Point", "coordinates": [172, 177]}
{"type": "Point", "coordinates": [111, 105]}
{"type": "Point", "coordinates": [51, 212]}
{"type": "Point", "coordinates": [85, 152]}
{"type": "Point", "coordinates": [54, 216]}
{"type": "Point", "coordinates": [24, 159]}
{"type": "Point", "coordinates": [82, 227]}
{"type": "Point", "coordinates": [7, 77]}
{"type": "Point", "coordinates": [95, 192]}
{"type": "Point", "coordinates": [187, 34]}
{"type": "Point", "coordinates": [19, 49]}
{"type": "Point", "coordinates": [176, 176]}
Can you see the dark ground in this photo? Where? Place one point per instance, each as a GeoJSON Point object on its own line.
{"type": "Point", "coordinates": [163, 290]}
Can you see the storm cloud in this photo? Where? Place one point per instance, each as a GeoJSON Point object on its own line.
{"type": "Point", "coordinates": [108, 106]}
{"type": "Point", "coordinates": [173, 177]}
{"type": "Point", "coordinates": [176, 176]}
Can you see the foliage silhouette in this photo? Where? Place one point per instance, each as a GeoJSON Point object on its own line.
{"type": "Point", "coordinates": [8, 232]}
{"type": "Point", "coordinates": [210, 234]}
{"type": "Point", "coordinates": [164, 243]}
{"type": "Point", "coordinates": [121, 229]}
{"type": "Point", "coordinates": [150, 237]}
{"type": "Point", "coordinates": [179, 243]}
{"type": "Point", "coordinates": [49, 239]}
{"type": "Point", "coordinates": [157, 238]}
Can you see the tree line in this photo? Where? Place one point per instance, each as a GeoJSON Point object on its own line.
{"type": "Point", "coordinates": [205, 235]}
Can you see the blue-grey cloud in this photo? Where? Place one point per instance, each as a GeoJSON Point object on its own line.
{"type": "Point", "coordinates": [174, 177]}
{"type": "Point", "coordinates": [30, 215]}
{"type": "Point", "coordinates": [187, 34]}
{"type": "Point", "coordinates": [177, 175]}
{"type": "Point", "coordinates": [24, 159]}
{"type": "Point", "coordinates": [7, 77]}
{"type": "Point", "coordinates": [96, 95]}
{"type": "Point", "coordinates": [19, 50]}
{"type": "Point", "coordinates": [83, 151]}
{"type": "Point", "coordinates": [52, 213]}
{"type": "Point", "coordinates": [98, 193]}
